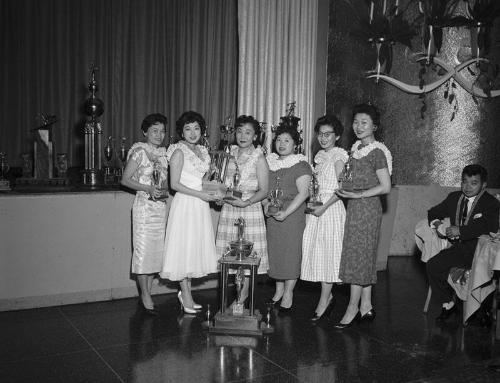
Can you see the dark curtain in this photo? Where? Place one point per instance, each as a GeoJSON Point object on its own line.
{"type": "Point", "coordinates": [165, 56]}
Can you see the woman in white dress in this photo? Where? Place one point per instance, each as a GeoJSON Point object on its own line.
{"type": "Point", "coordinates": [149, 212]}
{"type": "Point", "coordinates": [189, 239]}
{"type": "Point", "coordinates": [324, 232]}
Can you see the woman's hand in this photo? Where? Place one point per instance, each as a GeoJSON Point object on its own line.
{"type": "Point", "coordinates": [280, 216]}
{"type": "Point", "coordinates": [318, 210]}
{"type": "Point", "coordinates": [209, 197]}
{"type": "Point", "coordinates": [155, 192]}
{"type": "Point", "coordinates": [349, 194]}
{"type": "Point", "coordinates": [238, 202]}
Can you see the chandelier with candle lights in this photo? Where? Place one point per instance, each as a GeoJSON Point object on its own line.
{"type": "Point", "coordinates": [383, 24]}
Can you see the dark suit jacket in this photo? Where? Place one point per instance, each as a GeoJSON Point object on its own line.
{"type": "Point", "coordinates": [485, 211]}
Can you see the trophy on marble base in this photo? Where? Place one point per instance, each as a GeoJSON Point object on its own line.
{"type": "Point", "coordinates": [275, 198]}
{"type": "Point", "coordinates": [314, 199]}
{"type": "Point", "coordinates": [345, 179]}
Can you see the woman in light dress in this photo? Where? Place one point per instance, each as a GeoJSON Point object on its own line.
{"type": "Point", "coordinates": [324, 232]}
{"type": "Point", "coordinates": [189, 240]}
{"type": "Point", "coordinates": [149, 211]}
{"type": "Point", "coordinates": [253, 183]}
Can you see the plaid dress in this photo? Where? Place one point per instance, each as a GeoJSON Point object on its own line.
{"type": "Point", "coordinates": [322, 240]}
{"type": "Point", "coordinates": [255, 228]}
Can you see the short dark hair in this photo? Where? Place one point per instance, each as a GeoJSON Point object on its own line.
{"type": "Point", "coordinates": [187, 118]}
{"type": "Point", "coordinates": [475, 169]}
{"type": "Point", "coordinates": [281, 129]}
{"type": "Point", "coordinates": [330, 120]}
{"type": "Point", "coordinates": [243, 119]}
{"type": "Point", "coordinates": [370, 110]}
{"type": "Point", "coordinates": [153, 119]}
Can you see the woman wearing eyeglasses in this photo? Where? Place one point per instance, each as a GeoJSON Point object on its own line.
{"type": "Point", "coordinates": [324, 232]}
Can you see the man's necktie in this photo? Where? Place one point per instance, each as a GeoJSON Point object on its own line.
{"type": "Point", "coordinates": [465, 205]}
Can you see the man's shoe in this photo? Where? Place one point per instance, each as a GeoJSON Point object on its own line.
{"type": "Point", "coordinates": [445, 314]}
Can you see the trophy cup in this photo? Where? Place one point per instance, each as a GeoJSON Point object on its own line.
{"type": "Point", "coordinates": [108, 155]}
{"type": "Point", "coordinates": [155, 177]}
{"type": "Point", "coordinates": [275, 198]}
{"type": "Point", "coordinates": [233, 191]}
{"type": "Point", "coordinates": [345, 179]}
{"type": "Point", "coordinates": [314, 200]}
{"type": "Point", "coordinates": [4, 168]}
{"type": "Point", "coordinates": [123, 156]}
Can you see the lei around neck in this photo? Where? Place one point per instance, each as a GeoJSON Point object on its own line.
{"type": "Point", "coordinates": [363, 152]}
{"type": "Point", "coordinates": [276, 164]}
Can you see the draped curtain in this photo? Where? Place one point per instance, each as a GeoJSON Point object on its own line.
{"type": "Point", "coordinates": [277, 60]}
{"type": "Point", "coordinates": [165, 56]}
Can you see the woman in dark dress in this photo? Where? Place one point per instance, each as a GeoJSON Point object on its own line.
{"type": "Point", "coordinates": [371, 165]}
{"type": "Point", "coordinates": [291, 173]}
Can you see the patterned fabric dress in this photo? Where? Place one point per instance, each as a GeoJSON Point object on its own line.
{"type": "Point", "coordinates": [255, 227]}
{"type": "Point", "coordinates": [148, 217]}
{"type": "Point", "coordinates": [284, 239]}
{"type": "Point", "coordinates": [323, 236]}
{"type": "Point", "coordinates": [358, 264]}
{"type": "Point", "coordinates": [189, 240]}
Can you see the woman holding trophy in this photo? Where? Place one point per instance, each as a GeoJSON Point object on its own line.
{"type": "Point", "coordinates": [146, 173]}
{"type": "Point", "coordinates": [289, 179]}
{"type": "Point", "coordinates": [189, 240]}
{"type": "Point", "coordinates": [370, 167]}
{"type": "Point", "coordinates": [324, 232]}
{"type": "Point", "coordinates": [248, 178]}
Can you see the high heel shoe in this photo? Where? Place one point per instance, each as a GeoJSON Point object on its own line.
{"type": "Point", "coordinates": [368, 316]}
{"type": "Point", "coordinates": [341, 326]}
{"type": "Point", "coordinates": [187, 310]}
{"type": "Point", "coordinates": [273, 302]}
{"type": "Point", "coordinates": [152, 312]}
{"type": "Point", "coordinates": [196, 306]}
{"type": "Point", "coordinates": [326, 313]}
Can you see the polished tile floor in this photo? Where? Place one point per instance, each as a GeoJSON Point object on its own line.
{"type": "Point", "coordinates": [115, 342]}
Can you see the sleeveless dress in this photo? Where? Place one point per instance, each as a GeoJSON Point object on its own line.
{"type": "Point", "coordinates": [255, 227]}
{"type": "Point", "coordinates": [189, 239]}
{"type": "Point", "coordinates": [323, 236]}
{"type": "Point", "coordinates": [358, 263]}
{"type": "Point", "coordinates": [148, 217]}
{"type": "Point", "coordinates": [284, 239]}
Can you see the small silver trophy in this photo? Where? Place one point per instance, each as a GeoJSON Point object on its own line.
{"type": "Point", "coordinates": [275, 198]}
{"type": "Point", "coordinates": [108, 155]}
{"type": "Point", "coordinates": [155, 177]}
{"type": "Point", "coordinates": [123, 156]}
{"type": "Point", "coordinates": [345, 179]}
{"type": "Point", "coordinates": [314, 199]}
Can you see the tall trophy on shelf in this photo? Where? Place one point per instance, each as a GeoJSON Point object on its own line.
{"type": "Point", "coordinates": [314, 200]}
{"type": "Point", "coordinates": [345, 179]}
{"type": "Point", "coordinates": [4, 168]}
{"type": "Point", "coordinates": [108, 155]}
{"type": "Point", "coordinates": [93, 107]}
{"type": "Point", "coordinates": [275, 198]}
{"type": "Point", "coordinates": [123, 156]}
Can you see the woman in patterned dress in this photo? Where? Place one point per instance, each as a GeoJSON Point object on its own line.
{"type": "Point", "coordinates": [324, 232]}
{"type": "Point", "coordinates": [149, 212]}
{"type": "Point", "coordinates": [254, 173]}
{"type": "Point", "coordinates": [371, 164]}
{"type": "Point", "coordinates": [291, 173]}
{"type": "Point", "coordinates": [189, 239]}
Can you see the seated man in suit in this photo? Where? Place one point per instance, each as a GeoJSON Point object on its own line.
{"type": "Point", "coordinates": [472, 212]}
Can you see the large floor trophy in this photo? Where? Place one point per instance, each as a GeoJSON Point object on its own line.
{"type": "Point", "coordinates": [236, 319]}
{"type": "Point", "coordinates": [93, 107]}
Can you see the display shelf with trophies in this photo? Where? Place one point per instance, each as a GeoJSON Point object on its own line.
{"type": "Point", "coordinates": [236, 319]}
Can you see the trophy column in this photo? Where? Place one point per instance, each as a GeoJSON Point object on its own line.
{"type": "Point", "coordinates": [93, 107]}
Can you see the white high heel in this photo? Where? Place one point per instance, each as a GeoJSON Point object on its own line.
{"type": "Point", "coordinates": [187, 310]}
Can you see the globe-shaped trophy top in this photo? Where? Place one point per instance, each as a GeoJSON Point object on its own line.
{"type": "Point", "coordinates": [93, 106]}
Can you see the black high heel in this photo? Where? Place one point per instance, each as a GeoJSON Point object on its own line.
{"type": "Point", "coordinates": [273, 302]}
{"type": "Point", "coordinates": [341, 326]}
{"type": "Point", "coordinates": [369, 316]}
{"type": "Point", "coordinates": [325, 314]}
{"type": "Point", "coordinates": [152, 312]}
